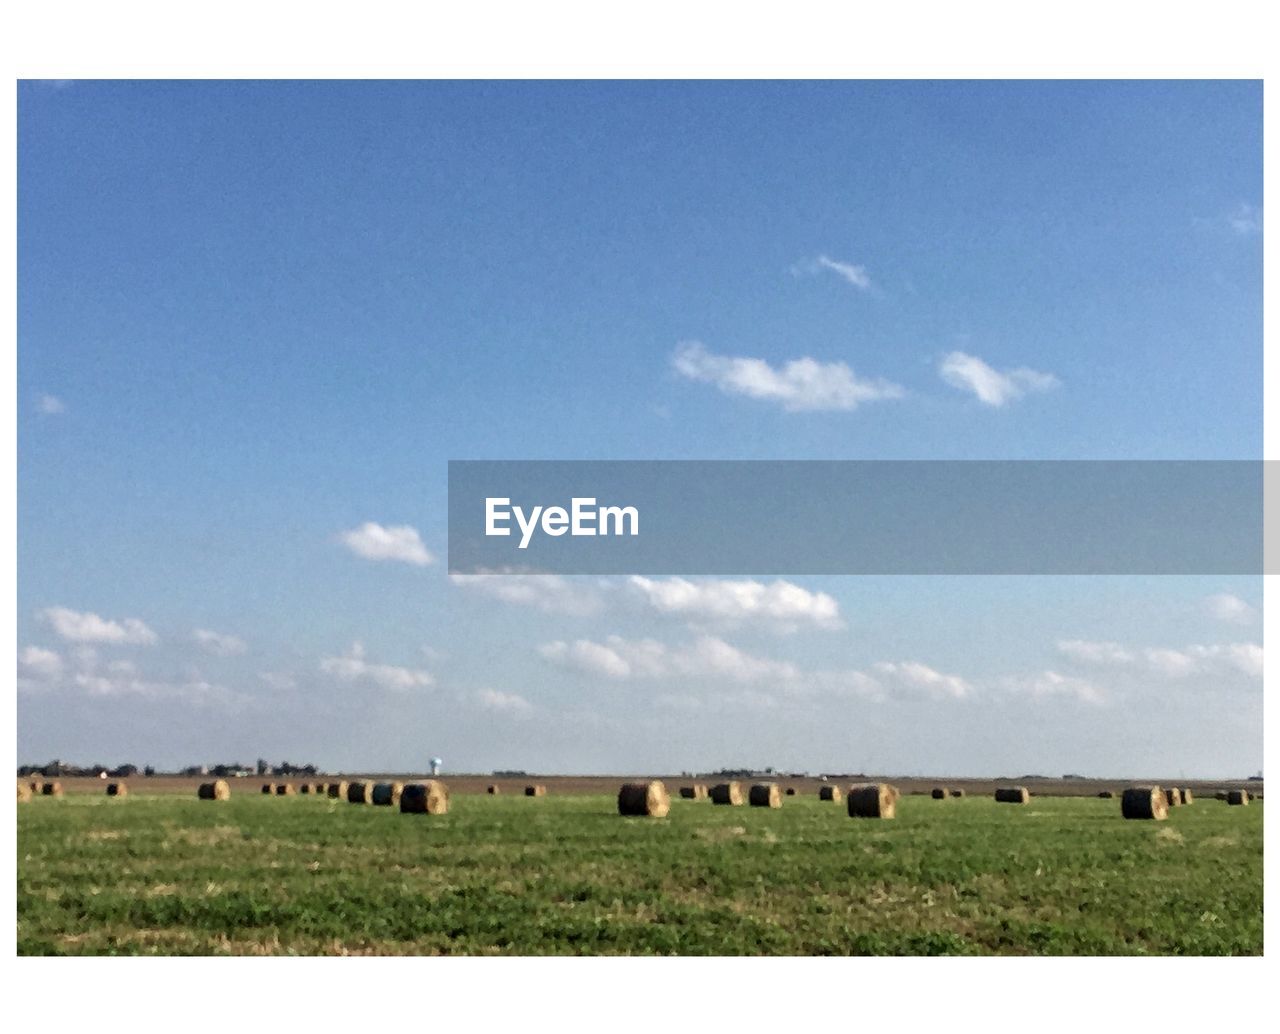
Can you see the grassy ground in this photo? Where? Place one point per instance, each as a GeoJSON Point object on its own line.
{"type": "Point", "coordinates": [567, 875]}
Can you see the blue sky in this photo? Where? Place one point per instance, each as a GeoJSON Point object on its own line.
{"type": "Point", "coordinates": [257, 318]}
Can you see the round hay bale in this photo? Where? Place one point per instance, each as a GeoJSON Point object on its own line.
{"type": "Point", "coordinates": [535, 790]}
{"type": "Point", "coordinates": [939, 794]}
{"type": "Point", "coordinates": [429, 798]}
{"type": "Point", "coordinates": [1013, 795]}
{"type": "Point", "coordinates": [1187, 798]}
{"type": "Point", "coordinates": [764, 795]}
{"type": "Point", "coordinates": [268, 788]}
{"type": "Point", "coordinates": [305, 788]}
{"type": "Point", "coordinates": [956, 792]}
{"type": "Point", "coordinates": [1233, 796]}
{"type": "Point", "coordinates": [1106, 794]}
{"type": "Point", "coordinates": [1174, 796]}
{"type": "Point", "coordinates": [218, 790]}
{"type": "Point", "coordinates": [791, 791]}
{"type": "Point", "coordinates": [360, 793]}
{"type": "Point", "coordinates": [24, 793]}
{"type": "Point", "coordinates": [829, 793]}
{"type": "Point", "coordinates": [492, 790]}
{"type": "Point", "coordinates": [34, 786]}
{"type": "Point", "coordinates": [285, 790]}
{"type": "Point", "coordinates": [872, 801]}
{"type": "Point", "coordinates": [1221, 795]}
{"type": "Point", "coordinates": [338, 790]}
{"type": "Point", "coordinates": [649, 799]}
{"type": "Point", "coordinates": [117, 790]}
{"type": "Point", "coordinates": [51, 789]}
{"type": "Point", "coordinates": [320, 790]}
{"type": "Point", "coordinates": [726, 793]}
{"type": "Point", "coordinates": [387, 795]}
{"type": "Point", "coordinates": [1144, 802]}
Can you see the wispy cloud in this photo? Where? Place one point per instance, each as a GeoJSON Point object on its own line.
{"type": "Point", "coordinates": [77, 627]}
{"type": "Point", "coordinates": [781, 605]}
{"type": "Point", "coordinates": [853, 275]}
{"type": "Point", "coordinates": [1245, 220]}
{"type": "Point", "coordinates": [218, 644]}
{"type": "Point", "coordinates": [352, 666]}
{"type": "Point", "coordinates": [51, 405]}
{"type": "Point", "coordinates": [399, 542]}
{"type": "Point", "coordinates": [504, 703]}
{"type": "Point", "coordinates": [546, 592]}
{"type": "Point", "coordinates": [1223, 606]}
{"type": "Point", "coordinates": [39, 663]}
{"type": "Point", "coordinates": [991, 386]}
{"type": "Point", "coordinates": [917, 677]}
{"type": "Point", "coordinates": [799, 385]}
{"type": "Point", "coordinates": [1177, 663]}
{"type": "Point", "coordinates": [1052, 684]}
{"type": "Point", "coordinates": [707, 656]}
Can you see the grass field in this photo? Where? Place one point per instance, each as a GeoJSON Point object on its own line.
{"type": "Point", "coordinates": [567, 875]}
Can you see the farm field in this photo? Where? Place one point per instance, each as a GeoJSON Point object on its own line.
{"type": "Point", "coordinates": [169, 874]}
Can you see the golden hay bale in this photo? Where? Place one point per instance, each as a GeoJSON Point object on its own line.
{"type": "Point", "coordinates": [219, 790]}
{"type": "Point", "coordinates": [536, 790]}
{"type": "Point", "coordinates": [764, 795]}
{"type": "Point", "coordinates": [305, 788]}
{"type": "Point", "coordinates": [696, 792]}
{"type": "Point", "coordinates": [938, 794]}
{"type": "Point", "coordinates": [1144, 802]}
{"type": "Point", "coordinates": [285, 790]}
{"type": "Point", "coordinates": [429, 798]}
{"type": "Point", "coordinates": [649, 798]}
{"type": "Point", "coordinates": [268, 788]}
{"type": "Point", "coordinates": [320, 790]}
{"type": "Point", "coordinates": [338, 790]}
{"type": "Point", "coordinates": [791, 791]}
{"type": "Point", "coordinates": [1174, 796]}
{"type": "Point", "coordinates": [360, 793]}
{"type": "Point", "coordinates": [872, 801]}
{"type": "Point", "coordinates": [956, 792]}
{"type": "Point", "coordinates": [52, 789]}
{"type": "Point", "coordinates": [726, 793]}
{"type": "Point", "coordinates": [1187, 798]}
{"type": "Point", "coordinates": [829, 793]}
{"type": "Point", "coordinates": [492, 790]}
{"type": "Point", "coordinates": [24, 793]}
{"type": "Point", "coordinates": [1237, 796]}
{"type": "Point", "coordinates": [117, 790]}
{"type": "Point", "coordinates": [387, 795]}
{"type": "Point", "coordinates": [1013, 795]}
{"type": "Point", "coordinates": [35, 787]}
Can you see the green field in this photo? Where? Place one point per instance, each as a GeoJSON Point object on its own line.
{"type": "Point", "coordinates": [567, 875]}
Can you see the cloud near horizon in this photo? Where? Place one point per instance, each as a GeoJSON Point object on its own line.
{"type": "Point", "coordinates": [353, 667]}
{"type": "Point", "coordinates": [800, 385]}
{"type": "Point", "coordinates": [781, 605]}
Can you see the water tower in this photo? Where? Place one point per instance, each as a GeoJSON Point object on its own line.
{"type": "Point", "coordinates": [435, 766]}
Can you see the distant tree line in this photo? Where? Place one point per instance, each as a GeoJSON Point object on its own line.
{"type": "Point", "coordinates": [55, 769]}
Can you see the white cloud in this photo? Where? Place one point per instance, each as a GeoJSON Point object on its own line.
{"type": "Point", "coordinates": [399, 542]}
{"type": "Point", "coordinates": [1052, 684]}
{"type": "Point", "coordinates": [51, 405]}
{"type": "Point", "coordinates": [78, 627]}
{"type": "Point", "coordinates": [506, 703]}
{"type": "Point", "coordinates": [546, 592]}
{"type": "Point", "coordinates": [39, 663]}
{"type": "Point", "coordinates": [914, 676]}
{"type": "Point", "coordinates": [780, 604]}
{"type": "Point", "coordinates": [992, 387]}
{"type": "Point", "coordinates": [855, 276]}
{"type": "Point", "coordinates": [1090, 652]}
{"type": "Point", "coordinates": [1185, 662]}
{"type": "Point", "coordinates": [800, 385]}
{"type": "Point", "coordinates": [1223, 606]}
{"type": "Point", "coordinates": [706, 656]}
{"type": "Point", "coordinates": [218, 644]}
{"type": "Point", "coordinates": [353, 667]}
